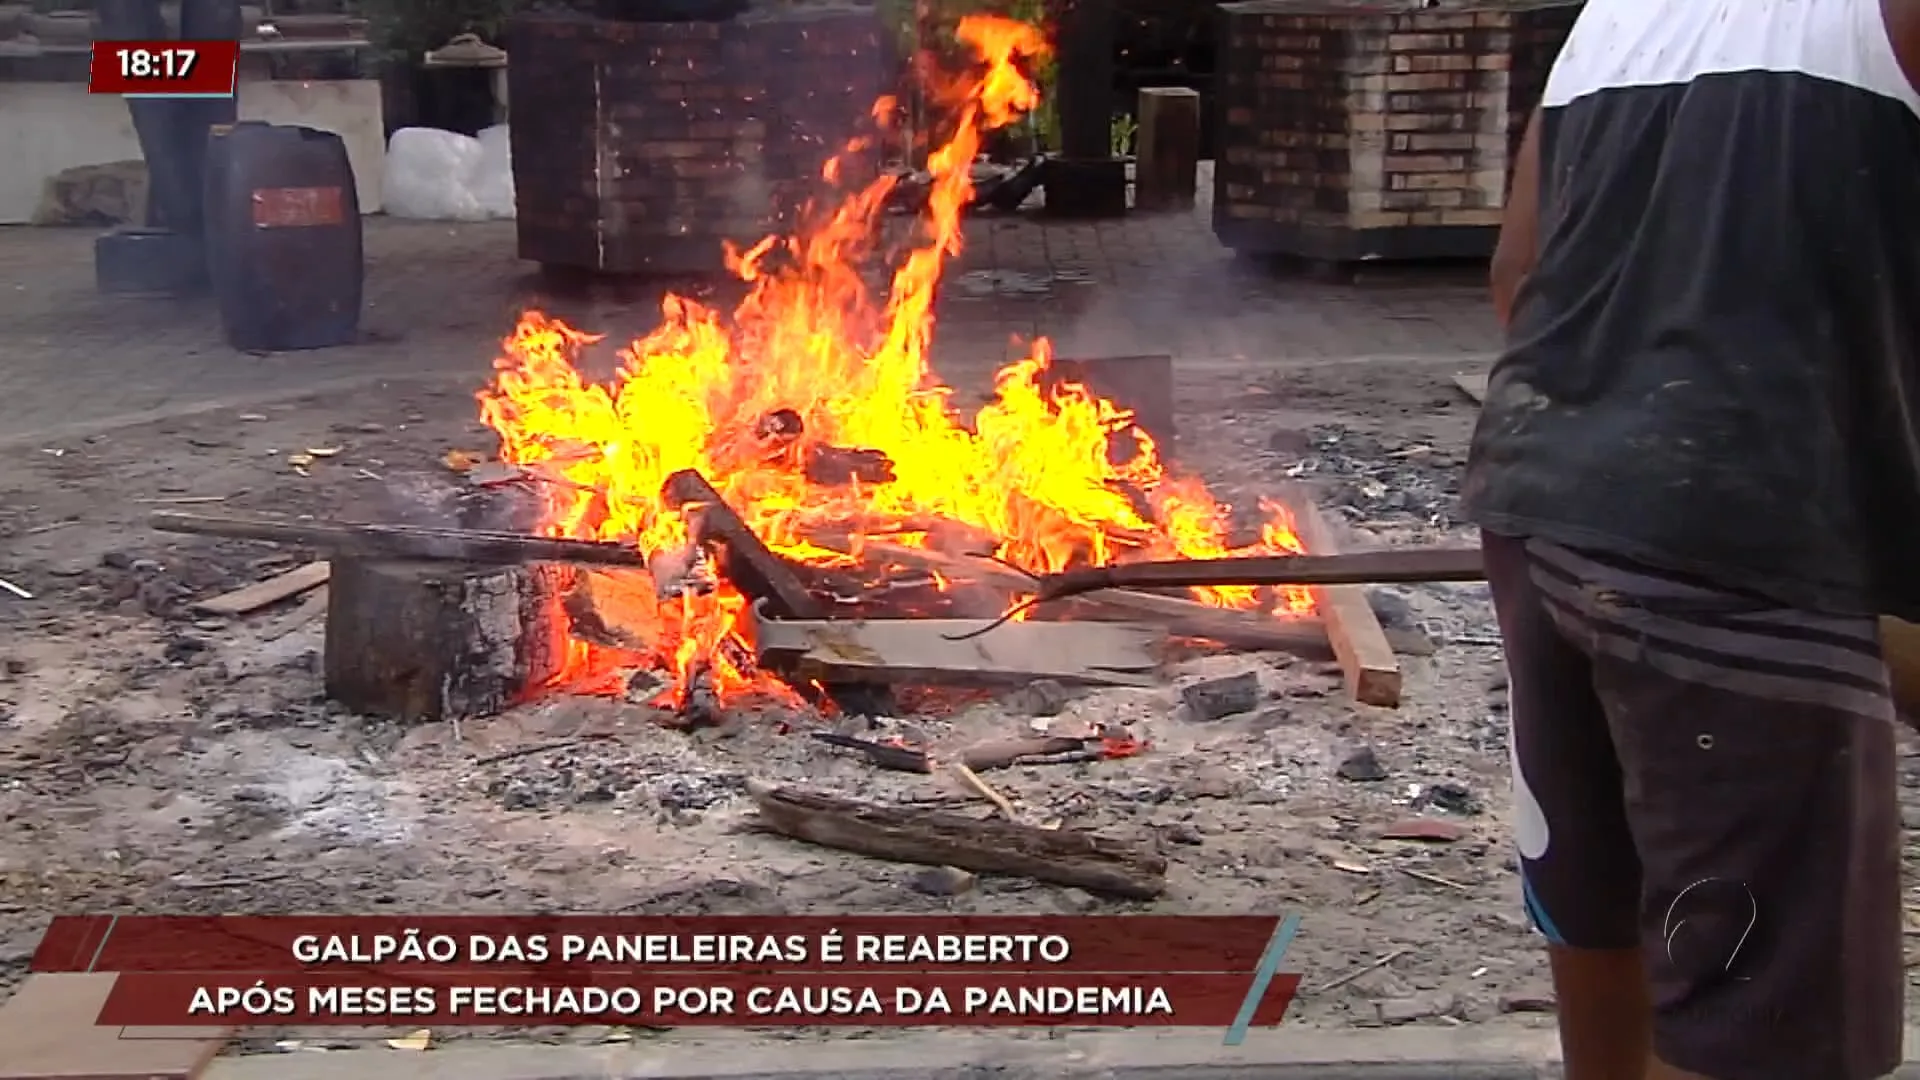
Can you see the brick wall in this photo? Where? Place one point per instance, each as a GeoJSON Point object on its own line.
{"type": "Point", "coordinates": [641, 147]}
{"type": "Point", "coordinates": [1537, 34]}
{"type": "Point", "coordinates": [1353, 130]}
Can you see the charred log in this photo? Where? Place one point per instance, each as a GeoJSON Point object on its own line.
{"type": "Point", "coordinates": [1097, 863]}
{"type": "Point", "coordinates": [700, 705]}
{"type": "Point", "coordinates": [777, 440]}
{"type": "Point", "coordinates": [839, 466]}
{"type": "Point", "coordinates": [742, 557]}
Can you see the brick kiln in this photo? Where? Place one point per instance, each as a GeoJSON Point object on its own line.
{"type": "Point", "coordinates": [643, 145]}
{"type": "Point", "coordinates": [1359, 131]}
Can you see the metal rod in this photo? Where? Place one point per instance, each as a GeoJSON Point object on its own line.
{"type": "Point", "coordinates": [1407, 565]}
{"type": "Point", "coordinates": [403, 541]}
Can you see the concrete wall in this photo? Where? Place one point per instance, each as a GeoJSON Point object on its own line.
{"type": "Point", "coordinates": [46, 128]}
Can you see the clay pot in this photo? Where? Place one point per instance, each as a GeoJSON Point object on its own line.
{"type": "Point", "coordinates": [63, 27]}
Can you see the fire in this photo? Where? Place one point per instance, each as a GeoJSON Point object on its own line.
{"type": "Point", "coordinates": [811, 349]}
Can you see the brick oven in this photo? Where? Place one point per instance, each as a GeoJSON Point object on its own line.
{"type": "Point", "coordinates": [1354, 131]}
{"type": "Point", "coordinates": [638, 147]}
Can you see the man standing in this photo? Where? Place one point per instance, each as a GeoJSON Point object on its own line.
{"type": "Point", "coordinates": [1697, 473]}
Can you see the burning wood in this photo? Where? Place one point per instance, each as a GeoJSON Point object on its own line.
{"type": "Point", "coordinates": [682, 571]}
{"type": "Point", "coordinates": [778, 440]}
{"type": "Point", "coordinates": [811, 408]}
{"type": "Point", "coordinates": [779, 431]}
{"type": "Point", "coordinates": [838, 466]}
{"type": "Point", "coordinates": [905, 650]}
{"type": "Point", "coordinates": [745, 559]}
{"type": "Point", "coordinates": [731, 447]}
{"type": "Point", "coordinates": [1239, 629]}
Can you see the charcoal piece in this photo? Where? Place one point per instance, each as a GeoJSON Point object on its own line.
{"type": "Point", "coordinates": [1212, 699]}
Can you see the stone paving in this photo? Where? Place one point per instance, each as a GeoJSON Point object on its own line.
{"type": "Point", "coordinates": [440, 295]}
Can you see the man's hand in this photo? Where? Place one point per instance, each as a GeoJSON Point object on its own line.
{"type": "Point", "coordinates": [1519, 246]}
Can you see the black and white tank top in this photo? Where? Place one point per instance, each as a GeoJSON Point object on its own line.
{"type": "Point", "coordinates": [1715, 365]}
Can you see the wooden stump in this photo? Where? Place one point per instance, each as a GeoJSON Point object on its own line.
{"type": "Point", "coordinates": [1166, 173]}
{"type": "Point", "coordinates": [425, 641]}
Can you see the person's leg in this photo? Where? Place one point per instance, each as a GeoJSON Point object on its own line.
{"type": "Point", "coordinates": [1578, 870]}
{"type": "Point", "coordinates": [1756, 748]}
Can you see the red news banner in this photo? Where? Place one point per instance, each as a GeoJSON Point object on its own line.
{"type": "Point", "coordinates": [164, 68]}
{"type": "Point", "coordinates": [1121, 971]}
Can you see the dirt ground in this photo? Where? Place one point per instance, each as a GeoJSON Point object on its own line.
{"type": "Point", "coordinates": [154, 760]}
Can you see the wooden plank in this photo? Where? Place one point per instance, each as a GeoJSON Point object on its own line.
{"type": "Point", "coordinates": [310, 608]}
{"type": "Point", "coordinates": [1068, 857]}
{"type": "Point", "coordinates": [250, 598]}
{"type": "Point", "coordinates": [924, 650]}
{"type": "Point", "coordinates": [1473, 385]}
{"type": "Point", "coordinates": [47, 1032]}
{"type": "Point", "coordinates": [1250, 630]}
{"type": "Point", "coordinates": [1359, 643]}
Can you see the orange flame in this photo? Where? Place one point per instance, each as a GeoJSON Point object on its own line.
{"type": "Point", "coordinates": [1032, 469]}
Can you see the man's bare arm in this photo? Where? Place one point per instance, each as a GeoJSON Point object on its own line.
{"type": "Point", "coordinates": [1903, 27]}
{"type": "Point", "coordinates": [1519, 246]}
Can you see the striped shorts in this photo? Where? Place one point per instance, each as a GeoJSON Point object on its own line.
{"type": "Point", "coordinates": [1711, 778]}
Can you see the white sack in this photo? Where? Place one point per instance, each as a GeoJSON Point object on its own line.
{"type": "Point", "coordinates": [430, 175]}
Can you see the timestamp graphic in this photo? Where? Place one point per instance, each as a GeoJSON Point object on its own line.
{"type": "Point", "coordinates": [164, 69]}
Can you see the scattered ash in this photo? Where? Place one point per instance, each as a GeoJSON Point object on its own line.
{"type": "Point", "coordinates": [606, 774]}
{"type": "Point", "coordinates": [162, 585]}
{"type": "Point", "coordinates": [1375, 478]}
{"type": "Point", "coordinates": [1399, 492]}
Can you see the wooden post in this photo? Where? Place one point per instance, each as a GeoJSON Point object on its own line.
{"type": "Point", "coordinates": [1084, 85]}
{"type": "Point", "coordinates": [1086, 180]}
{"type": "Point", "coordinates": [1167, 150]}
